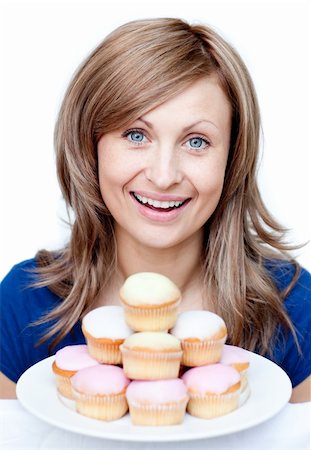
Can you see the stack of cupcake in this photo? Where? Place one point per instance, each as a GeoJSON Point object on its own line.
{"type": "Point", "coordinates": [151, 356]}
{"type": "Point", "coordinates": [136, 354]}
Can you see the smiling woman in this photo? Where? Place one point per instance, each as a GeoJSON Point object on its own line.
{"type": "Point", "coordinates": [157, 145]}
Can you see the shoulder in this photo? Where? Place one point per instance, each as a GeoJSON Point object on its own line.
{"type": "Point", "coordinates": [24, 271]}
{"type": "Point", "coordinates": [297, 303]}
{"type": "Point", "coordinates": [22, 305]}
{"type": "Point", "coordinates": [283, 274]}
{"type": "Point", "coordinates": [296, 290]}
{"type": "Point", "coordinates": [18, 291]}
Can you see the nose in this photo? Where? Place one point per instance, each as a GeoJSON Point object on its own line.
{"type": "Point", "coordinates": [164, 167]}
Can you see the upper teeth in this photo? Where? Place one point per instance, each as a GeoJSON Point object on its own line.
{"type": "Point", "coordinates": [156, 203]}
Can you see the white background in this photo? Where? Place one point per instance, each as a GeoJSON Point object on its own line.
{"type": "Point", "coordinates": [42, 43]}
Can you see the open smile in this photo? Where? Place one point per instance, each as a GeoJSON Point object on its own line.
{"type": "Point", "coordinates": [156, 210]}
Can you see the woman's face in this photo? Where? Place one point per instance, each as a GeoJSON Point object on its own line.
{"type": "Point", "coordinates": [162, 177]}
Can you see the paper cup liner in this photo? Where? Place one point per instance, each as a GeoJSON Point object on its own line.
{"type": "Point", "coordinates": [153, 318]}
{"type": "Point", "coordinates": [244, 381]}
{"type": "Point", "coordinates": [104, 352]}
{"type": "Point", "coordinates": [209, 406]}
{"type": "Point", "coordinates": [244, 387]}
{"type": "Point", "coordinates": [69, 403]}
{"type": "Point", "coordinates": [63, 385]}
{"type": "Point", "coordinates": [101, 407]}
{"type": "Point", "coordinates": [158, 415]}
{"type": "Point", "coordinates": [245, 390]}
{"type": "Point", "coordinates": [150, 365]}
{"type": "Point", "coordinates": [203, 352]}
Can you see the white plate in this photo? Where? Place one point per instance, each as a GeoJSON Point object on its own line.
{"type": "Point", "coordinates": [270, 391]}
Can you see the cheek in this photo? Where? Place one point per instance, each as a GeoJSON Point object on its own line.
{"type": "Point", "coordinates": [209, 179]}
{"type": "Point", "coordinates": [107, 173]}
{"type": "Point", "coordinates": [209, 193]}
{"type": "Point", "coordinates": [109, 163]}
{"type": "Point", "coordinates": [114, 172]}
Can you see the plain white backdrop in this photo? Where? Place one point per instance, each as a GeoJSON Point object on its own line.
{"type": "Point", "coordinates": [43, 42]}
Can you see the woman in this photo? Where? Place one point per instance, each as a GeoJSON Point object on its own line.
{"type": "Point", "coordinates": [157, 144]}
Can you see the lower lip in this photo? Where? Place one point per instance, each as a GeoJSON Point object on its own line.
{"type": "Point", "coordinates": [159, 216]}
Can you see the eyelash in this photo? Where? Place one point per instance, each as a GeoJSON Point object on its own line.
{"type": "Point", "coordinates": [138, 130]}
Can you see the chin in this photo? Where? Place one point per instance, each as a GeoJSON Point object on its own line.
{"type": "Point", "coordinates": [161, 241]}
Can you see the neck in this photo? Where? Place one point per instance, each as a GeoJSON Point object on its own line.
{"type": "Point", "coordinates": [181, 263]}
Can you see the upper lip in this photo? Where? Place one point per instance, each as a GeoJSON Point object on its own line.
{"type": "Point", "coordinates": [161, 197]}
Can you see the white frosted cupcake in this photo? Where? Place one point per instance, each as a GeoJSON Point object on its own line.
{"type": "Point", "coordinates": [68, 360]}
{"type": "Point", "coordinates": [150, 301]}
{"type": "Point", "coordinates": [160, 402]}
{"type": "Point", "coordinates": [151, 356]}
{"type": "Point", "coordinates": [99, 392]}
{"type": "Point", "coordinates": [214, 390]}
{"type": "Point", "coordinates": [238, 358]}
{"type": "Point", "coordinates": [105, 329]}
{"type": "Point", "coordinates": [202, 335]}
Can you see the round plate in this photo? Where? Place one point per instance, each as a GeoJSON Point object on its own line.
{"type": "Point", "coordinates": [270, 391]}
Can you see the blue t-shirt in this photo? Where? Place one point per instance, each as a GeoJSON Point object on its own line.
{"type": "Point", "coordinates": [22, 305]}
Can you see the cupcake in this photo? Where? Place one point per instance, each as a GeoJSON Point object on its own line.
{"type": "Point", "coordinates": [99, 392]}
{"type": "Point", "coordinates": [160, 402]}
{"type": "Point", "coordinates": [151, 356]}
{"type": "Point", "coordinates": [214, 390]}
{"type": "Point", "coordinates": [150, 301]}
{"type": "Point", "coordinates": [202, 335]}
{"type": "Point", "coordinates": [238, 358]}
{"type": "Point", "coordinates": [68, 361]}
{"type": "Point", "coordinates": [105, 329]}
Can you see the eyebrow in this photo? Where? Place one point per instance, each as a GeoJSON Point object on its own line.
{"type": "Point", "coordinates": [149, 124]}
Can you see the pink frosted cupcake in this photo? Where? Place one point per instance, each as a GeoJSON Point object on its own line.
{"type": "Point", "coordinates": [150, 301]}
{"type": "Point", "coordinates": [68, 361]}
{"type": "Point", "coordinates": [238, 358]}
{"type": "Point", "coordinates": [160, 402]}
{"type": "Point", "coordinates": [99, 392]}
{"type": "Point", "coordinates": [214, 390]}
{"type": "Point", "coordinates": [202, 335]}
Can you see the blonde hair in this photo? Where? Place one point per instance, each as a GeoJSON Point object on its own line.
{"type": "Point", "coordinates": [137, 67]}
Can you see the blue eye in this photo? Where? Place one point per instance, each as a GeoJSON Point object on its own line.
{"type": "Point", "coordinates": [135, 136]}
{"type": "Point", "coordinates": [198, 143]}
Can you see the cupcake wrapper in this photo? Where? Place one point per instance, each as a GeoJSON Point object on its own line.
{"type": "Point", "coordinates": [150, 365]}
{"type": "Point", "coordinates": [158, 415]}
{"type": "Point", "coordinates": [101, 407]}
{"type": "Point", "coordinates": [155, 318]}
{"type": "Point", "coordinates": [209, 406]}
{"type": "Point", "coordinates": [63, 385]}
{"type": "Point", "coordinates": [245, 390]}
{"type": "Point", "coordinates": [201, 353]}
{"type": "Point", "coordinates": [104, 353]}
{"type": "Point", "coordinates": [244, 381]}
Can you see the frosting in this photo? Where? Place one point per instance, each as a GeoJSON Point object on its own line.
{"type": "Point", "coordinates": [159, 391]}
{"type": "Point", "coordinates": [107, 321]}
{"type": "Point", "coordinates": [74, 357]}
{"type": "Point", "coordinates": [216, 378]}
{"type": "Point", "coordinates": [100, 379]}
{"type": "Point", "coordinates": [233, 355]}
{"type": "Point", "coordinates": [152, 339]}
{"type": "Point", "coordinates": [197, 324]}
{"type": "Point", "coordinates": [145, 288]}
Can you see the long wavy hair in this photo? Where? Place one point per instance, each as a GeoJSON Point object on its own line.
{"type": "Point", "coordinates": [137, 67]}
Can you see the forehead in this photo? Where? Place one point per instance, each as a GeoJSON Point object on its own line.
{"type": "Point", "coordinates": [203, 99]}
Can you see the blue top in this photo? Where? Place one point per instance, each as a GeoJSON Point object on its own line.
{"type": "Point", "coordinates": [22, 305]}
